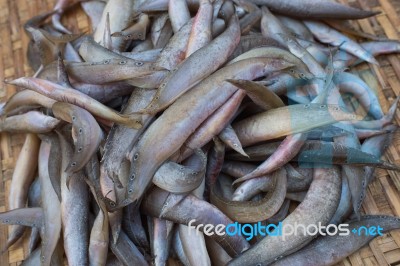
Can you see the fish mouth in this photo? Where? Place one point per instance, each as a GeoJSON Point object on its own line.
{"type": "Point", "coordinates": [133, 198]}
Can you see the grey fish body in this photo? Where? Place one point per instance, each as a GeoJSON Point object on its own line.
{"type": "Point", "coordinates": [51, 206]}
{"type": "Point", "coordinates": [176, 208]}
{"type": "Point", "coordinates": [21, 181]}
{"type": "Point", "coordinates": [74, 211]}
{"type": "Point", "coordinates": [30, 122]}
{"type": "Point", "coordinates": [314, 9]}
{"type": "Point", "coordinates": [127, 252]}
{"type": "Point", "coordinates": [326, 34]}
{"type": "Point", "coordinates": [345, 207]}
{"type": "Point", "coordinates": [336, 248]}
{"type": "Point", "coordinates": [312, 210]}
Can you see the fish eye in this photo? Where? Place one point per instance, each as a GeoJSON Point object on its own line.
{"type": "Point", "coordinates": [73, 164]}
{"type": "Point", "coordinates": [132, 177]}
{"type": "Point", "coordinates": [80, 149]}
{"type": "Point", "coordinates": [112, 204]}
{"type": "Point", "coordinates": [139, 64]}
{"type": "Point", "coordinates": [73, 118]}
{"type": "Point", "coordinates": [122, 62]}
{"type": "Point", "coordinates": [107, 61]}
{"type": "Point", "coordinates": [136, 156]}
{"type": "Point", "coordinates": [292, 71]}
{"type": "Point", "coordinates": [129, 36]}
{"type": "Point", "coordinates": [80, 130]}
{"type": "Point", "coordinates": [306, 105]}
{"type": "Point", "coordinates": [322, 106]}
{"type": "Point", "coordinates": [130, 191]}
{"type": "Point", "coordinates": [139, 35]}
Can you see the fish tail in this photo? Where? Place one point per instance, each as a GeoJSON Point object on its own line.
{"type": "Point", "coordinates": [388, 118]}
{"type": "Point", "coordinates": [16, 233]}
{"type": "Point", "coordinates": [251, 175]}
{"type": "Point", "coordinates": [370, 59]}
{"type": "Point", "coordinates": [390, 166]}
{"type": "Point", "coordinates": [2, 112]}
{"type": "Point", "coordinates": [132, 120]}
{"type": "Point", "coordinates": [240, 150]}
{"type": "Point", "coordinates": [117, 34]}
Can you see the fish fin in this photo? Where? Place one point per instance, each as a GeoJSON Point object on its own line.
{"type": "Point", "coordinates": [321, 98]}
{"type": "Point", "coordinates": [15, 234]}
{"type": "Point", "coordinates": [107, 40]}
{"type": "Point", "coordinates": [62, 76]}
{"type": "Point", "coordinates": [116, 180]}
{"type": "Point", "coordinates": [56, 21]}
{"type": "Point", "coordinates": [37, 21]}
{"type": "Point", "coordinates": [254, 89]}
{"type": "Point", "coordinates": [38, 71]}
{"type": "Point", "coordinates": [33, 240]}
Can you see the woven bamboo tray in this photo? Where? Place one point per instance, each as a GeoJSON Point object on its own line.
{"type": "Point", "coordinates": [382, 197]}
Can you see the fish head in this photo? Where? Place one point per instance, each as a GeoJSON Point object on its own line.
{"type": "Point", "coordinates": [138, 34]}
{"type": "Point", "coordinates": [340, 114]}
{"type": "Point", "coordinates": [278, 64]}
{"type": "Point", "coordinates": [138, 179]}
{"type": "Point", "coordinates": [299, 73]}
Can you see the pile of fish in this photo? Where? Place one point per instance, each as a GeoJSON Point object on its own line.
{"type": "Point", "coordinates": [198, 112]}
